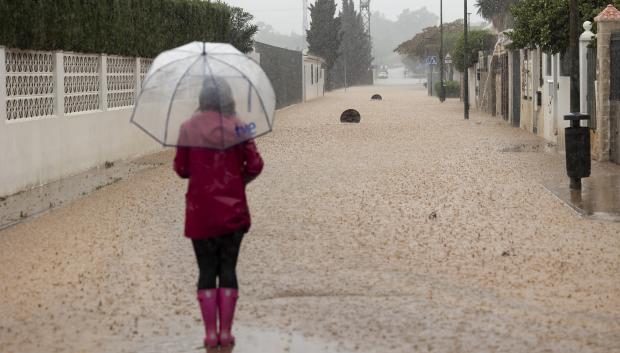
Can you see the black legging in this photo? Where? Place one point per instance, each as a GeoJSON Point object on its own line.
{"type": "Point", "coordinates": [217, 258]}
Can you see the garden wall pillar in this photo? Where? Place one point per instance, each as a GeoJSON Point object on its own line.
{"type": "Point", "coordinates": [2, 85]}
{"type": "Point", "coordinates": [103, 83]}
{"type": "Point", "coordinates": [584, 40]}
{"type": "Point", "coordinates": [608, 22]}
{"type": "Point", "coordinates": [59, 75]}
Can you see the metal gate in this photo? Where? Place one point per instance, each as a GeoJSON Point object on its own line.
{"type": "Point", "coordinates": [504, 80]}
{"type": "Point", "coordinates": [516, 88]}
{"type": "Point", "coordinates": [615, 68]}
{"type": "Point", "coordinates": [614, 96]}
{"type": "Point", "coordinates": [591, 96]}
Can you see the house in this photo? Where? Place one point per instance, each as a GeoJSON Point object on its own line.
{"type": "Point", "coordinates": [313, 77]}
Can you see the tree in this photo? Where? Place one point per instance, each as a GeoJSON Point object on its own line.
{"type": "Point", "coordinates": [478, 40]}
{"type": "Point", "coordinates": [425, 44]}
{"type": "Point", "coordinates": [241, 29]}
{"type": "Point", "coordinates": [355, 48]}
{"type": "Point", "coordinates": [387, 33]}
{"type": "Point", "coordinates": [324, 34]}
{"type": "Point", "coordinates": [545, 23]}
{"type": "Point", "coordinates": [496, 11]}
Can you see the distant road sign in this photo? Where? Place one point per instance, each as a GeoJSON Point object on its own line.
{"type": "Point", "coordinates": [431, 60]}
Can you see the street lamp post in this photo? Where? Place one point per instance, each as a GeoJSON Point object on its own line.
{"type": "Point", "coordinates": [345, 70]}
{"type": "Point", "coordinates": [442, 88]}
{"type": "Point", "coordinates": [574, 56]}
{"type": "Point", "coordinates": [577, 138]}
{"type": "Point", "coordinates": [466, 65]}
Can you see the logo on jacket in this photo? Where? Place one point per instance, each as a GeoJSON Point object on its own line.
{"type": "Point", "coordinates": [245, 130]}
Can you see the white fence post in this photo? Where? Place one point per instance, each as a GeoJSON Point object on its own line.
{"type": "Point", "coordinates": [584, 40]}
{"type": "Point", "coordinates": [3, 117]}
{"type": "Point", "coordinates": [103, 83]}
{"type": "Point", "coordinates": [59, 76]}
{"type": "Point", "coordinates": [137, 79]}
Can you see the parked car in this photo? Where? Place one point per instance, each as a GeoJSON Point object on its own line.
{"type": "Point", "coordinates": [383, 74]}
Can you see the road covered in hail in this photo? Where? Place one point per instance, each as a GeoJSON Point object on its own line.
{"type": "Point", "coordinates": [412, 231]}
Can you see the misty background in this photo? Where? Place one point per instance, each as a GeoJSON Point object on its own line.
{"type": "Point", "coordinates": [392, 22]}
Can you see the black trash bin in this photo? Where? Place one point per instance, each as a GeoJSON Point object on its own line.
{"type": "Point", "coordinates": [578, 157]}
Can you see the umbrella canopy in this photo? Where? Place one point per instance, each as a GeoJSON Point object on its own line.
{"type": "Point", "coordinates": [205, 95]}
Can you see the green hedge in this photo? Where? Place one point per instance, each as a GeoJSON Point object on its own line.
{"type": "Point", "coordinates": [453, 88]}
{"type": "Point", "coordinates": [124, 27]}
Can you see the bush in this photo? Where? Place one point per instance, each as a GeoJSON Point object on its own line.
{"type": "Point", "coordinates": [453, 88]}
{"type": "Point", "coordinates": [478, 40]}
{"type": "Point", "coordinates": [124, 27]}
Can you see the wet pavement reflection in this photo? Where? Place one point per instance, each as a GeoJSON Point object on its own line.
{"type": "Point", "coordinates": [248, 340]}
{"type": "Point", "coordinates": [598, 199]}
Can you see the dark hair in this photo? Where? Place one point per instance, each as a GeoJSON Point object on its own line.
{"type": "Point", "coordinates": [216, 95]}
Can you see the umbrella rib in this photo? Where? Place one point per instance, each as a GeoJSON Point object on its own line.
{"type": "Point", "coordinates": [174, 93]}
{"type": "Point", "coordinates": [148, 133]}
{"type": "Point", "coordinates": [148, 78]}
{"type": "Point", "coordinates": [149, 75]}
{"type": "Point", "coordinates": [260, 99]}
{"type": "Point", "coordinates": [150, 89]}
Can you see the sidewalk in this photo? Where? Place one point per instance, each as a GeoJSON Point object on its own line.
{"type": "Point", "coordinates": [414, 231]}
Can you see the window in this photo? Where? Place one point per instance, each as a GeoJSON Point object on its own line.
{"type": "Point", "coordinates": [311, 73]}
{"type": "Point", "coordinates": [548, 61]}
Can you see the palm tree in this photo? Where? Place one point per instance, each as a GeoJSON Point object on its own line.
{"type": "Point", "coordinates": [496, 11]}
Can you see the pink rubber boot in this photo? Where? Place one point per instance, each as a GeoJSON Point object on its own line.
{"type": "Point", "coordinates": [208, 306]}
{"type": "Point", "coordinates": [227, 300]}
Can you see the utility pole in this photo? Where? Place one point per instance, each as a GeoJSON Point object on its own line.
{"type": "Point", "coordinates": [466, 64]}
{"type": "Point", "coordinates": [305, 18]}
{"type": "Point", "coordinates": [365, 12]}
{"type": "Point", "coordinates": [345, 71]}
{"type": "Point", "coordinates": [442, 88]}
{"type": "Point", "coordinates": [431, 83]}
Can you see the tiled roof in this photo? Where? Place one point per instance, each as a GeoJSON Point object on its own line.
{"type": "Point", "coordinates": [609, 14]}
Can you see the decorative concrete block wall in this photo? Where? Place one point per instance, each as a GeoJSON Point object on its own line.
{"type": "Point", "coordinates": [63, 113]}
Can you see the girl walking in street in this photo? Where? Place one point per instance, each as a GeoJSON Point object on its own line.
{"type": "Point", "coordinates": [217, 214]}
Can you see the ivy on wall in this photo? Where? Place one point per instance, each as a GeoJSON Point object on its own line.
{"type": "Point", "coordinates": [123, 27]}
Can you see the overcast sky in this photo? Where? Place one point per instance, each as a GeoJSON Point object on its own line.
{"type": "Point", "coordinates": [286, 15]}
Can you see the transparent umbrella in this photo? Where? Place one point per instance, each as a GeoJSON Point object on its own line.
{"type": "Point", "coordinates": [205, 95]}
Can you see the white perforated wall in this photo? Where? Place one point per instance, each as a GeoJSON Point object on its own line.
{"type": "Point", "coordinates": [29, 84]}
{"type": "Point", "coordinates": [81, 83]}
{"type": "Point", "coordinates": [121, 78]}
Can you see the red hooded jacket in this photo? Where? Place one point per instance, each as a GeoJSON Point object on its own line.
{"type": "Point", "coordinates": [216, 203]}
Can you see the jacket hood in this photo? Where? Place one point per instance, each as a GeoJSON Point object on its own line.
{"type": "Point", "coordinates": [212, 130]}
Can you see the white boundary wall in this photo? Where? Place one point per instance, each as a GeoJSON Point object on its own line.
{"type": "Point", "coordinates": [64, 113]}
{"type": "Point", "coordinates": [555, 108]}
{"type": "Point", "coordinates": [313, 78]}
